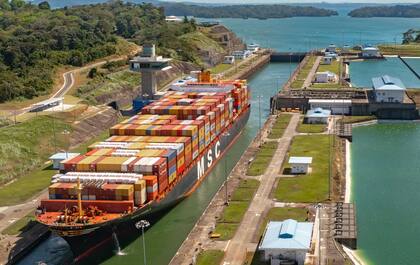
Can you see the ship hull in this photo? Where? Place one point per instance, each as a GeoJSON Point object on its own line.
{"type": "Point", "coordinates": [85, 240]}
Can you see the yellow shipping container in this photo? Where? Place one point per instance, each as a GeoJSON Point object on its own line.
{"type": "Point", "coordinates": [111, 163]}
{"type": "Point", "coordinates": [140, 195]}
{"type": "Point", "coordinates": [84, 164]}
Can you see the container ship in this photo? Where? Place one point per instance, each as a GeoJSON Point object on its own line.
{"type": "Point", "coordinates": [150, 162]}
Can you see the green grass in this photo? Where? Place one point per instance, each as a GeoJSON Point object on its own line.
{"type": "Point", "coordinates": [32, 183]}
{"type": "Point", "coordinates": [312, 187]}
{"type": "Point", "coordinates": [108, 84]}
{"type": "Point", "coordinates": [327, 86]}
{"type": "Point", "coordinates": [334, 67]}
{"type": "Point", "coordinates": [303, 73]}
{"type": "Point", "coordinates": [279, 126]}
{"type": "Point", "coordinates": [262, 159]}
{"type": "Point", "coordinates": [21, 225]}
{"type": "Point", "coordinates": [255, 258]}
{"type": "Point", "coordinates": [233, 213]}
{"type": "Point", "coordinates": [26, 146]}
{"type": "Point", "coordinates": [210, 257]}
{"type": "Point", "coordinates": [226, 230]}
{"type": "Point", "coordinates": [311, 128]}
{"type": "Point", "coordinates": [402, 49]}
{"type": "Point", "coordinates": [220, 68]}
{"type": "Point", "coordinates": [280, 214]}
{"type": "Point", "coordinates": [354, 119]}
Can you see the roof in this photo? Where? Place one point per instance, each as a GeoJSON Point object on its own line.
{"type": "Point", "coordinates": [300, 160]}
{"type": "Point", "coordinates": [63, 155]}
{"type": "Point", "coordinates": [346, 101]}
{"type": "Point", "coordinates": [48, 102]}
{"type": "Point", "coordinates": [288, 234]}
{"type": "Point", "coordinates": [318, 113]}
{"type": "Point", "coordinates": [387, 82]}
{"type": "Point", "coordinates": [370, 49]}
{"type": "Point", "coordinates": [325, 73]}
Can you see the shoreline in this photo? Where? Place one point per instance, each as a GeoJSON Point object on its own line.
{"type": "Point", "coordinates": [355, 258]}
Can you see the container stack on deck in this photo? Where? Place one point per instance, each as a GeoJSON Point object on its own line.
{"type": "Point", "coordinates": [147, 154]}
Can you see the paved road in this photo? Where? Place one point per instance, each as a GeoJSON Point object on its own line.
{"type": "Point", "coordinates": [242, 241]}
{"type": "Point", "coordinates": [310, 77]}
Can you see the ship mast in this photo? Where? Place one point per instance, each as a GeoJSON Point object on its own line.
{"type": "Point", "coordinates": [79, 198]}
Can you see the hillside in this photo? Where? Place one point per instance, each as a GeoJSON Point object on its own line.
{"type": "Point", "coordinates": [34, 40]}
{"type": "Point", "coordinates": [409, 11]}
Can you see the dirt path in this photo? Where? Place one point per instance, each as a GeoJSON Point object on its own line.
{"type": "Point", "coordinates": [310, 77]}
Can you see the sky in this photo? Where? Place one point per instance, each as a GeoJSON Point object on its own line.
{"type": "Point", "coordinates": [294, 1]}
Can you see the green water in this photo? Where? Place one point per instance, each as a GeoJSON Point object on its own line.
{"type": "Point", "coordinates": [361, 73]}
{"type": "Point", "coordinates": [386, 182]}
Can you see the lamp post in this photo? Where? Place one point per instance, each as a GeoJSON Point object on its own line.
{"type": "Point", "coordinates": [141, 225]}
{"type": "Point", "coordinates": [259, 117]}
{"type": "Point", "coordinates": [66, 142]}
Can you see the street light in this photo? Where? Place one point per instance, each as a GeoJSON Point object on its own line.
{"type": "Point", "coordinates": [141, 225]}
{"type": "Point", "coordinates": [67, 144]}
{"type": "Point", "coordinates": [226, 134]}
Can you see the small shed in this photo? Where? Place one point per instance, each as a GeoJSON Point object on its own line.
{"type": "Point", "coordinates": [327, 60]}
{"type": "Point", "coordinates": [346, 49]}
{"type": "Point", "coordinates": [241, 55]}
{"type": "Point", "coordinates": [370, 52]}
{"type": "Point", "coordinates": [300, 164]}
{"type": "Point", "coordinates": [229, 59]}
{"type": "Point", "coordinates": [325, 77]}
{"type": "Point", "coordinates": [286, 241]}
{"type": "Point", "coordinates": [317, 116]}
{"type": "Point", "coordinates": [331, 48]}
{"type": "Point", "coordinates": [253, 47]}
{"type": "Point", "coordinates": [58, 157]}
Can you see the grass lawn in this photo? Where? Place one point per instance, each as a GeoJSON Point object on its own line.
{"type": "Point", "coordinates": [303, 73]}
{"type": "Point", "coordinates": [327, 86]}
{"type": "Point", "coordinates": [312, 187]}
{"type": "Point", "coordinates": [334, 67]}
{"type": "Point", "coordinates": [21, 225]}
{"type": "Point", "coordinates": [234, 212]}
{"type": "Point", "coordinates": [210, 257]}
{"type": "Point", "coordinates": [354, 119]}
{"type": "Point", "coordinates": [279, 126]}
{"type": "Point", "coordinates": [311, 128]}
{"type": "Point", "coordinates": [32, 183]}
{"type": "Point", "coordinates": [280, 214]}
{"type": "Point", "coordinates": [255, 258]}
{"type": "Point", "coordinates": [262, 159]}
{"type": "Point", "coordinates": [401, 49]}
{"type": "Point", "coordinates": [26, 146]}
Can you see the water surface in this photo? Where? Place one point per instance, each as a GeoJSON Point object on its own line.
{"type": "Point", "coordinates": [386, 182]}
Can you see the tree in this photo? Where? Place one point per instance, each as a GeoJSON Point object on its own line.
{"type": "Point", "coordinates": [93, 73]}
{"type": "Point", "coordinates": [16, 4]}
{"type": "Point", "coordinates": [44, 5]}
{"type": "Point", "coordinates": [5, 5]}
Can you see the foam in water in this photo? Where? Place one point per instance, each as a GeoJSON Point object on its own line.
{"type": "Point", "coordinates": [118, 250]}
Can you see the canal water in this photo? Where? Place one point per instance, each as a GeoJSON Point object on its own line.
{"type": "Point", "coordinates": [386, 181]}
{"type": "Point", "coordinates": [362, 72]}
{"type": "Point", "coordinates": [166, 235]}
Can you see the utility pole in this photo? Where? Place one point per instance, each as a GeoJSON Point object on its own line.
{"type": "Point", "coordinates": [259, 118]}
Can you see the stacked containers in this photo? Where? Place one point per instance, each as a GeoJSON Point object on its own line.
{"type": "Point", "coordinates": [200, 127]}
{"type": "Point", "coordinates": [206, 121]}
{"type": "Point", "coordinates": [212, 119]}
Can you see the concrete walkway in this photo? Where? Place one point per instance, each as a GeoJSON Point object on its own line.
{"type": "Point", "coordinates": [310, 77]}
{"type": "Point", "coordinates": [242, 241]}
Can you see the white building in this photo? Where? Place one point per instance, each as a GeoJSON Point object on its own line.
{"type": "Point", "coordinates": [317, 116]}
{"type": "Point", "coordinates": [346, 49]}
{"type": "Point", "coordinates": [388, 89]}
{"type": "Point", "coordinates": [58, 157]}
{"type": "Point", "coordinates": [286, 241]}
{"type": "Point", "coordinates": [325, 77]}
{"type": "Point", "coordinates": [173, 19]}
{"type": "Point", "coordinates": [229, 59]}
{"type": "Point", "coordinates": [331, 48]}
{"type": "Point", "coordinates": [337, 106]}
{"type": "Point", "coordinates": [300, 164]}
{"type": "Point", "coordinates": [241, 55]}
{"type": "Point", "coordinates": [369, 52]}
{"type": "Point", "coordinates": [327, 60]}
{"type": "Point", "coordinates": [253, 47]}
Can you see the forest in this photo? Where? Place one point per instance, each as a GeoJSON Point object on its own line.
{"type": "Point", "coordinates": [411, 36]}
{"type": "Point", "coordinates": [409, 11]}
{"type": "Point", "coordinates": [35, 39]}
{"type": "Point", "coordinates": [245, 11]}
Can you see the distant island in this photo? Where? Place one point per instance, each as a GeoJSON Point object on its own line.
{"type": "Point", "coordinates": [219, 11]}
{"type": "Point", "coordinates": [245, 11]}
{"type": "Point", "coordinates": [409, 11]}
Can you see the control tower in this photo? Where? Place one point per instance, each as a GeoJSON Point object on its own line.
{"type": "Point", "coordinates": [148, 64]}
